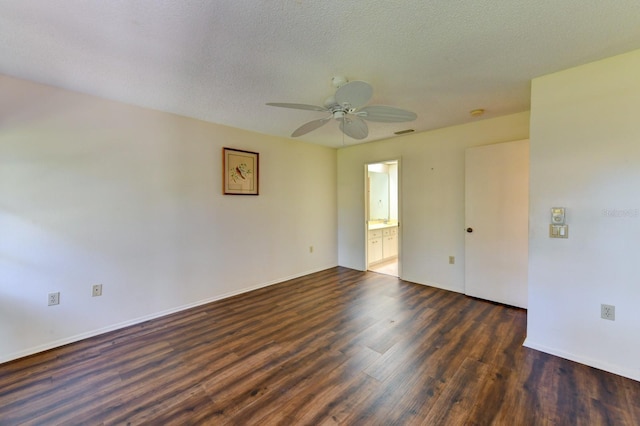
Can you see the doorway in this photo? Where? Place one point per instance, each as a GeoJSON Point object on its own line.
{"type": "Point", "coordinates": [382, 217]}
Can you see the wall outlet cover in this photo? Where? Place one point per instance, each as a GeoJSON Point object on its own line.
{"type": "Point", "coordinates": [608, 312]}
{"type": "Point", "coordinates": [54, 298]}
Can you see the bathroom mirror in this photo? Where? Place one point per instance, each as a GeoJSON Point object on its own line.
{"type": "Point", "coordinates": [378, 196]}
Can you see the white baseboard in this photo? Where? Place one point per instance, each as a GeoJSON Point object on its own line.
{"type": "Point", "coordinates": [605, 366]}
{"type": "Point", "coordinates": [67, 340]}
{"type": "Point", "coordinates": [435, 285]}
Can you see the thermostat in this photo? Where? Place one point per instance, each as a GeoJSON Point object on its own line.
{"type": "Point", "coordinates": [557, 216]}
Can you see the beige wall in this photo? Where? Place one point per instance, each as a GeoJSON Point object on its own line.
{"type": "Point", "coordinates": [93, 191]}
{"type": "Point", "coordinates": [585, 156]}
{"type": "Point", "coordinates": [431, 196]}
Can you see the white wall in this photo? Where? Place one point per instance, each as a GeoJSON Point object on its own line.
{"type": "Point", "coordinates": [93, 191]}
{"type": "Point", "coordinates": [393, 191]}
{"type": "Point", "coordinates": [585, 156]}
{"type": "Point", "coordinates": [431, 196]}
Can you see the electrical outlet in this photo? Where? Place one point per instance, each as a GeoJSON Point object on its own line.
{"type": "Point", "coordinates": [96, 290]}
{"type": "Point", "coordinates": [452, 260]}
{"type": "Point", "coordinates": [608, 312]}
{"type": "Point", "coordinates": [54, 298]}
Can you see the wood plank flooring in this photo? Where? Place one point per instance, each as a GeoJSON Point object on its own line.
{"type": "Point", "coordinates": [335, 347]}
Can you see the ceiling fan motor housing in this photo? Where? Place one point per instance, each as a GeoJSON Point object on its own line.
{"type": "Point", "coordinates": [338, 81]}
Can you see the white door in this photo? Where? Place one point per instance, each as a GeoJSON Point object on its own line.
{"type": "Point", "coordinates": [497, 222]}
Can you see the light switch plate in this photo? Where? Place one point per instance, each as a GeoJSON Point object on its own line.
{"type": "Point", "coordinates": [559, 231]}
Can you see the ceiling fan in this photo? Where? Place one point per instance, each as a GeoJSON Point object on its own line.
{"type": "Point", "coordinates": [347, 107]}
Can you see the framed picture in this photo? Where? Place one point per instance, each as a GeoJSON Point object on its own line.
{"type": "Point", "coordinates": [240, 172]}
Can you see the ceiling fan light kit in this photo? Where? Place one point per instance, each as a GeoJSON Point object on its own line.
{"type": "Point", "coordinates": [347, 107]}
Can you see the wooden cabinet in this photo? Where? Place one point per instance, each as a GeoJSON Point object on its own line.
{"type": "Point", "coordinates": [382, 244]}
{"type": "Point", "coordinates": [375, 246]}
{"type": "Point", "coordinates": [389, 242]}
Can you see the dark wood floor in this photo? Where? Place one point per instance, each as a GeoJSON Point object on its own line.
{"type": "Point", "coordinates": [335, 347]}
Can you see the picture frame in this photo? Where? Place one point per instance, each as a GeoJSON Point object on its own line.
{"type": "Point", "coordinates": [240, 172]}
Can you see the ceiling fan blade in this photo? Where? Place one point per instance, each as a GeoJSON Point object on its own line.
{"type": "Point", "coordinates": [354, 94]}
{"type": "Point", "coordinates": [354, 127]}
{"type": "Point", "coordinates": [298, 106]}
{"type": "Point", "coordinates": [308, 127]}
{"type": "Point", "coordinates": [386, 114]}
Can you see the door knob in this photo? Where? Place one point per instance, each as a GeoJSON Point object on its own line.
{"type": "Point", "coordinates": [469, 230]}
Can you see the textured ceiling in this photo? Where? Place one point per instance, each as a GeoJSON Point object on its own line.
{"type": "Point", "coordinates": [221, 61]}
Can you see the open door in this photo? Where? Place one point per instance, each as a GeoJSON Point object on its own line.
{"type": "Point", "coordinates": [382, 213]}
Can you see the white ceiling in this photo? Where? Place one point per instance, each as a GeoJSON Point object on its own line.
{"type": "Point", "coordinates": [222, 60]}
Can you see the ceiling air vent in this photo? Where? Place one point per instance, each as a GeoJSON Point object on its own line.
{"type": "Point", "coordinates": [404, 132]}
